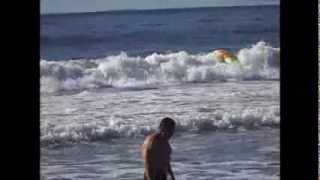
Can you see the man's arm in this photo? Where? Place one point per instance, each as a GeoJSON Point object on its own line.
{"type": "Point", "coordinates": [144, 147]}
{"type": "Point", "coordinates": [171, 172]}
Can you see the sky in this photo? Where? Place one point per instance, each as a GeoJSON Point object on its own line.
{"type": "Point", "coordinates": [70, 6]}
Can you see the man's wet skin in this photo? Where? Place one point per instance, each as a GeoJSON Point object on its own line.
{"type": "Point", "coordinates": [156, 152]}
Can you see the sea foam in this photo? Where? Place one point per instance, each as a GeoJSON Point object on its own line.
{"type": "Point", "coordinates": [258, 62]}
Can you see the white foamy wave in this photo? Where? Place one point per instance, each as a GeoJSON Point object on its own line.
{"type": "Point", "coordinates": [56, 134]}
{"type": "Point", "coordinates": [260, 62]}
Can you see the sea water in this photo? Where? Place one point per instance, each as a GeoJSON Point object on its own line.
{"type": "Point", "coordinates": [108, 78]}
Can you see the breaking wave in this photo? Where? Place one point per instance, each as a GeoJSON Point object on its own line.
{"type": "Point", "coordinates": [254, 118]}
{"type": "Point", "coordinates": [259, 62]}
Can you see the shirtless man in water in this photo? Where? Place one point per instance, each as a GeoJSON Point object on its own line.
{"type": "Point", "coordinates": [156, 152]}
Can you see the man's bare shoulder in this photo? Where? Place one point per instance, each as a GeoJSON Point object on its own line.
{"type": "Point", "coordinates": [147, 144]}
{"type": "Point", "coordinates": [150, 138]}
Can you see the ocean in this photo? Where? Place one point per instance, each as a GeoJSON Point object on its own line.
{"type": "Point", "coordinates": [108, 78]}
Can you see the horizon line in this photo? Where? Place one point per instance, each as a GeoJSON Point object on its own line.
{"type": "Point", "coordinates": [151, 9]}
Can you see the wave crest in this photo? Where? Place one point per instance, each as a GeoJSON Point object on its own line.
{"type": "Point", "coordinates": [259, 62]}
{"type": "Point", "coordinates": [117, 127]}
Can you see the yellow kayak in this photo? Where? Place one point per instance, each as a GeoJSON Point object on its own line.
{"type": "Point", "coordinates": [225, 56]}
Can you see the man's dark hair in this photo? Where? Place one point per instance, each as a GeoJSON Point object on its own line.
{"type": "Point", "coordinates": [166, 123]}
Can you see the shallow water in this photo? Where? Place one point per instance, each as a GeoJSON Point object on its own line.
{"type": "Point", "coordinates": [211, 155]}
{"type": "Point", "coordinates": [225, 131]}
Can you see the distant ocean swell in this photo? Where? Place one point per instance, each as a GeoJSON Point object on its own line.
{"type": "Point", "coordinates": [250, 118]}
{"type": "Point", "coordinates": [259, 62]}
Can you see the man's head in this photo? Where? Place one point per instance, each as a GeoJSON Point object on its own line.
{"type": "Point", "coordinates": [167, 127]}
